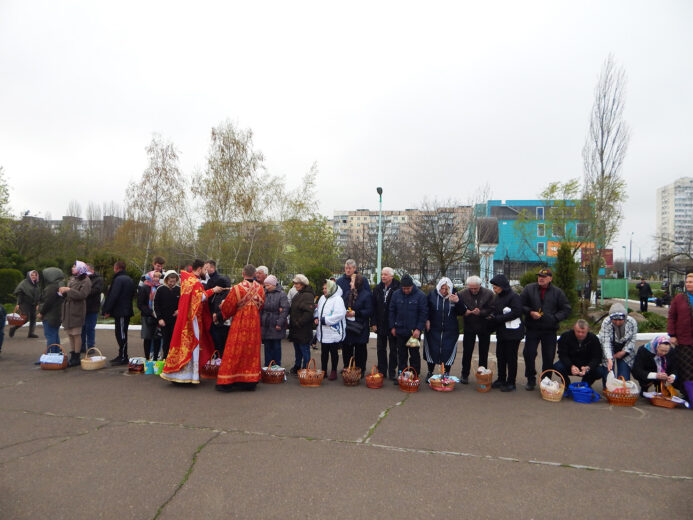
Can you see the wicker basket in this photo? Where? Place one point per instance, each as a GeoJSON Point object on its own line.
{"type": "Point", "coordinates": [621, 396]}
{"type": "Point", "coordinates": [547, 395]}
{"type": "Point", "coordinates": [375, 378]}
{"type": "Point", "coordinates": [483, 382]}
{"type": "Point", "coordinates": [136, 365]}
{"type": "Point", "coordinates": [94, 362]}
{"type": "Point", "coordinates": [310, 377]}
{"type": "Point", "coordinates": [210, 369]}
{"type": "Point", "coordinates": [54, 366]}
{"type": "Point", "coordinates": [272, 377]}
{"type": "Point", "coordinates": [409, 385]}
{"type": "Point", "coordinates": [439, 385]}
{"type": "Point", "coordinates": [664, 399]}
{"type": "Point", "coordinates": [16, 320]}
{"type": "Point", "coordinates": [351, 375]}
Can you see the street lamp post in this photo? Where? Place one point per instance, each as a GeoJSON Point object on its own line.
{"type": "Point", "coordinates": [630, 251]}
{"type": "Point", "coordinates": [380, 232]}
{"type": "Point", "coordinates": [625, 275]}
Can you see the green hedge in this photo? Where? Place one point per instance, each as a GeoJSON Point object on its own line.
{"type": "Point", "coordinates": [9, 279]}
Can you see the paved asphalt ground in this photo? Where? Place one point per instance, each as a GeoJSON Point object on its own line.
{"type": "Point", "coordinates": [106, 444]}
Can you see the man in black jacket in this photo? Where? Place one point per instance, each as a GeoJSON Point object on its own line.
{"type": "Point", "coordinates": [644, 291]}
{"type": "Point", "coordinates": [544, 306]}
{"type": "Point", "coordinates": [380, 324]}
{"type": "Point", "coordinates": [119, 305]}
{"type": "Point", "coordinates": [579, 354]}
{"type": "Point", "coordinates": [477, 301]}
{"type": "Point", "coordinates": [408, 313]}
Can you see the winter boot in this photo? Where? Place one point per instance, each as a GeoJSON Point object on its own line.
{"type": "Point", "coordinates": [74, 359]}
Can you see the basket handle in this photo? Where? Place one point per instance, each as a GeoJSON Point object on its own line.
{"type": "Point", "coordinates": [552, 370]}
{"type": "Point", "coordinates": [312, 360]}
{"type": "Point", "coordinates": [93, 348]}
{"type": "Point", "coordinates": [271, 363]}
{"type": "Point", "coordinates": [374, 370]}
{"type": "Point", "coordinates": [410, 369]}
{"type": "Point", "coordinates": [595, 396]}
{"type": "Point", "coordinates": [55, 345]}
{"type": "Point", "coordinates": [666, 393]}
{"type": "Point", "coordinates": [216, 355]}
{"type": "Point", "coordinates": [352, 364]}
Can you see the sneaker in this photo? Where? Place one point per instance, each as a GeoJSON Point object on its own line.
{"type": "Point", "coordinates": [531, 385]}
{"type": "Point", "coordinates": [464, 380]}
{"type": "Point", "coordinates": [119, 361]}
{"type": "Point", "coordinates": [332, 376]}
{"type": "Point", "coordinates": [508, 388]}
{"type": "Point", "coordinates": [498, 384]}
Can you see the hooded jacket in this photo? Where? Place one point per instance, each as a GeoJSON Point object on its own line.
{"type": "Point", "coordinates": [506, 299]}
{"type": "Point", "coordinates": [28, 294]}
{"type": "Point", "coordinates": [51, 300]}
{"type": "Point", "coordinates": [408, 311]}
{"type": "Point", "coordinates": [331, 314]}
{"type": "Point", "coordinates": [274, 312]}
{"type": "Point", "coordinates": [301, 316]}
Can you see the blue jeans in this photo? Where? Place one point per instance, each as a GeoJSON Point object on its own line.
{"type": "Point", "coordinates": [89, 330]}
{"type": "Point", "coordinates": [621, 368]}
{"type": "Point", "coordinates": [52, 334]}
{"type": "Point", "coordinates": [273, 351]}
{"type": "Point", "coordinates": [302, 351]}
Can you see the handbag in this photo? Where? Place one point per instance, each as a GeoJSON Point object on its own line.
{"type": "Point", "coordinates": [354, 327]}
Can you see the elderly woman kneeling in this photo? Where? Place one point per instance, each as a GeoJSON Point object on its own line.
{"type": "Point", "coordinates": [655, 363]}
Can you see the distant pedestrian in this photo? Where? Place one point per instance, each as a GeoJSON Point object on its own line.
{"type": "Point", "coordinates": [644, 291]}
{"type": "Point", "coordinates": [28, 293]}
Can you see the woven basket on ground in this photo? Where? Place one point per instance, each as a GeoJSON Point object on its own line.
{"type": "Point", "coordinates": [54, 349]}
{"type": "Point", "coordinates": [664, 398]}
{"type": "Point", "coordinates": [272, 376]}
{"type": "Point", "coordinates": [483, 382]}
{"type": "Point", "coordinates": [16, 320]}
{"type": "Point", "coordinates": [443, 384]}
{"type": "Point", "coordinates": [409, 384]}
{"type": "Point", "coordinates": [93, 362]}
{"type": "Point", "coordinates": [548, 395]}
{"type": "Point", "coordinates": [351, 375]}
{"type": "Point", "coordinates": [136, 365]}
{"type": "Point", "coordinates": [375, 378]}
{"type": "Point", "coordinates": [310, 377]}
{"type": "Point", "coordinates": [210, 369]}
{"type": "Point", "coordinates": [621, 396]}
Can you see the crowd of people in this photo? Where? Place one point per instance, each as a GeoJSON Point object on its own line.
{"type": "Point", "coordinates": [186, 316]}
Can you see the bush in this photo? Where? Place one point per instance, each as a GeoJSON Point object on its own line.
{"type": "Point", "coordinates": [529, 277]}
{"type": "Point", "coordinates": [9, 279]}
{"type": "Point", "coordinates": [565, 274]}
{"type": "Point", "coordinates": [654, 323]}
{"type": "Point", "coordinates": [317, 276]}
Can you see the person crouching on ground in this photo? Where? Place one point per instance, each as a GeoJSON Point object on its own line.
{"type": "Point", "coordinates": [617, 337]}
{"type": "Point", "coordinates": [579, 354]}
{"type": "Point", "coordinates": [655, 364]}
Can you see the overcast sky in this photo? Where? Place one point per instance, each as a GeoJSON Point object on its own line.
{"type": "Point", "coordinates": [422, 98]}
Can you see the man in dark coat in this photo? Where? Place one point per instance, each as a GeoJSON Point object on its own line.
{"type": "Point", "coordinates": [644, 291]}
{"type": "Point", "coordinates": [544, 306]}
{"type": "Point", "coordinates": [477, 300]}
{"type": "Point", "coordinates": [579, 354]}
{"type": "Point", "coordinates": [344, 281]}
{"type": "Point", "coordinates": [119, 305]}
{"type": "Point", "coordinates": [408, 313]}
{"type": "Point", "coordinates": [28, 294]}
{"type": "Point", "coordinates": [380, 324]}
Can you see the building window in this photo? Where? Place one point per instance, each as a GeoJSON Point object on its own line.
{"type": "Point", "coordinates": [581, 229]}
{"type": "Point", "coordinates": [541, 230]}
{"type": "Point", "coordinates": [540, 213]}
{"type": "Point", "coordinates": [557, 230]}
{"type": "Point", "coordinates": [541, 248]}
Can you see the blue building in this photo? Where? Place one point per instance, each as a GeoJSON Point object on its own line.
{"type": "Point", "coordinates": [527, 234]}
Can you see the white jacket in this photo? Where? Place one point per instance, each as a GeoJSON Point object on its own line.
{"type": "Point", "coordinates": [334, 312]}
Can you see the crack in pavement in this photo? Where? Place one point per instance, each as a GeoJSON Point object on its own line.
{"type": "Point", "coordinates": [359, 442]}
{"type": "Point", "coordinates": [371, 430]}
{"type": "Point", "coordinates": [187, 474]}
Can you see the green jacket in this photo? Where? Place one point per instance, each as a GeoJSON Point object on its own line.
{"type": "Point", "coordinates": [51, 301]}
{"type": "Point", "coordinates": [28, 295]}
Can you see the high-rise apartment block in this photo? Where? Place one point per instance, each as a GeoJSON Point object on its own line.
{"type": "Point", "coordinates": [675, 217]}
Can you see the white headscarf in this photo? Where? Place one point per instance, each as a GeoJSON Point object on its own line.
{"type": "Point", "coordinates": [444, 281]}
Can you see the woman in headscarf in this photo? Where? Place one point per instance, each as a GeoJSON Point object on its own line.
{"type": "Point", "coordinates": [145, 302]}
{"type": "Point", "coordinates": [75, 308]}
{"type": "Point", "coordinates": [617, 337]}
{"type": "Point", "coordinates": [329, 318]}
{"type": "Point", "coordinates": [358, 314]}
{"type": "Point", "coordinates": [28, 293]}
{"type": "Point", "coordinates": [507, 319]}
{"type": "Point", "coordinates": [442, 327]}
{"type": "Point", "coordinates": [655, 363]}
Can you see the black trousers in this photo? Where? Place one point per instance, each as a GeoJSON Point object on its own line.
{"type": "Point", "coordinates": [168, 334]}
{"type": "Point", "coordinates": [548, 352]}
{"type": "Point", "coordinates": [589, 378]}
{"type": "Point", "coordinates": [121, 333]}
{"type": "Point", "coordinates": [407, 356]}
{"type": "Point", "coordinates": [506, 354]}
{"type": "Point", "coordinates": [387, 362]}
{"type": "Point", "coordinates": [360, 353]}
{"type": "Point", "coordinates": [468, 340]}
{"type": "Point", "coordinates": [643, 304]}
{"type": "Point", "coordinates": [219, 334]}
{"type": "Point", "coordinates": [327, 351]}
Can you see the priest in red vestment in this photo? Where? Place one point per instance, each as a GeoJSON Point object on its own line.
{"type": "Point", "coordinates": [240, 366]}
{"type": "Point", "coordinates": [191, 344]}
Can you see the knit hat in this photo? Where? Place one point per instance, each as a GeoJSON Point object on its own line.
{"type": "Point", "coordinates": [617, 311]}
{"type": "Point", "coordinates": [271, 280]}
{"type": "Point", "coordinates": [299, 278]}
{"type": "Point", "coordinates": [500, 281]}
{"type": "Point", "coordinates": [406, 281]}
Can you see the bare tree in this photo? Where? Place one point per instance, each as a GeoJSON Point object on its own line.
{"type": "Point", "coordinates": [74, 209]}
{"type": "Point", "coordinates": [603, 155]}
